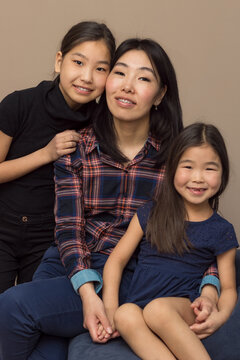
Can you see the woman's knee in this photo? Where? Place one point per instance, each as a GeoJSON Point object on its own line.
{"type": "Point", "coordinates": [10, 307]}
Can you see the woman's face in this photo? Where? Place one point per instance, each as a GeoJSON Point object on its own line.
{"type": "Point", "coordinates": [83, 72]}
{"type": "Point", "coordinates": [133, 87]}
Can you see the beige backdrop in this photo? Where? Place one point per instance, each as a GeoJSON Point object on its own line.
{"type": "Point", "coordinates": [201, 38]}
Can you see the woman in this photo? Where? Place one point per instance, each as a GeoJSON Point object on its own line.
{"type": "Point", "coordinates": [118, 165]}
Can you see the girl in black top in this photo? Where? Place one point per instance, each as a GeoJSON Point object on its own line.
{"type": "Point", "coordinates": [37, 126]}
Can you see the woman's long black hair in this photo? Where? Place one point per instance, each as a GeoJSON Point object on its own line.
{"type": "Point", "coordinates": [165, 122]}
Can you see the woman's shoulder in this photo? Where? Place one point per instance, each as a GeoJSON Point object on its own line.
{"type": "Point", "coordinates": [88, 136]}
{"type": "Point", "coordinates": [87, 143]}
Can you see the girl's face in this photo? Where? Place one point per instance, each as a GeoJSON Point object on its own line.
{"type": "Point", "coordinates": [199, 175]}
{"type": "Point", "coordinates": [83, 72]}
{"type": "Point", "coordinates": [133, 87]}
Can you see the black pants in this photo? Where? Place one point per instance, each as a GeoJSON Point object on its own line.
{"type": "Point", "coordinates": [23, 241]}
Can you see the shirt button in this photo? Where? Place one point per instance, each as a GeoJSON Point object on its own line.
{"type": "Point", "coordinates": [24, 219]}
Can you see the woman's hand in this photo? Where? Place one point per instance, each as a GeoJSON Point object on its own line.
{"type": "Point", "coordinates": [207, 320]}
{"type": "Point", "coordinates": [62, 144]}
{"type": "Point", "coordinates": [209, 326]}
{"type": "Point", "coordinates": [203, 306]}
{"type": "Point", "coordinates": [94, 314]}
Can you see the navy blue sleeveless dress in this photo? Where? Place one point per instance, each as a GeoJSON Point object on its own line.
{"type": "Point", "coordinates": [163, 275]}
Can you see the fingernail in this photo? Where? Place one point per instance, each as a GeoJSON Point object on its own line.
{"type": "Point", "coordinates": [109, 330]}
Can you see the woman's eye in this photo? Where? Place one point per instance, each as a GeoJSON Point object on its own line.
{"type": "Point", "coordinates": [119, 73]}
{"type": "Point", "coordinates": [144, 79]}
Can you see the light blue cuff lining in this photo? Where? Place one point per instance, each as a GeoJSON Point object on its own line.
{"type": "Point", "coordinates": [210, 280]}
{"type": "Point", "coordinates": [85, 276]}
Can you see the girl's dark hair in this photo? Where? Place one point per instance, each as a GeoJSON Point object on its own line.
{"type": "Point", "coordinates": [165, 122]}
{"type": "Point", "coordinates": [87, 31]}
{"type": "Point", "coordinates": [167, 226]}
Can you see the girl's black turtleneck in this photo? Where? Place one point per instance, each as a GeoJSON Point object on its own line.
{"type": "Point", "coordinates": [33, 117]}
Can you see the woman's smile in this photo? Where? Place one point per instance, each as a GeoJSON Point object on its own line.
{"type": "Point", "coordinates": [132, 88]}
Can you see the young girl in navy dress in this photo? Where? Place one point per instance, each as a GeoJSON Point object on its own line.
{"type": "Point", "coordinates": [182, 235]}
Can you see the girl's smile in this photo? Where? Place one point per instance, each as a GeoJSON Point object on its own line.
{"type": "Point", "coordinates": [83, 72]}
{"type": "Point", "coordinates": [198, 176]}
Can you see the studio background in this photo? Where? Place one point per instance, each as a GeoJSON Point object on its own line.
{"type": "Point", "coordinates": [200, 37]}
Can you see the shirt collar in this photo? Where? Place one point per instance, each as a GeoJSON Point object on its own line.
{"type": "Point", "coordinates": [156, 143]}
{"type": "Point", "coordinates": [93, 143]}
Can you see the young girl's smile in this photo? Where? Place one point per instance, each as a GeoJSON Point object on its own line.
{"type": "Point", "coordinates": [83, 72]}
{"type": "Point", "coordinates": [198, 175]}
{"type": "Point", "coordinates": [133, 87]}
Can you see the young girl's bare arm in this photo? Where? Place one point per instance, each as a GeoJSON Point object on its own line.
{"type": "Point", "coordinates": [62, 144]}
{"type": "Point", "coordinates": [227, 275]}
{"type": "Point", "coordinates": [228, 297]}
{"type": "Point", "coordinates": [115, 264]}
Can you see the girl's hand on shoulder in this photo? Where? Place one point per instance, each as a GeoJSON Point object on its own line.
{"type": "Point", "coordinates": [62, 144]}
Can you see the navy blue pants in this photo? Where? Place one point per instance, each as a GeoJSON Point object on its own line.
{"type": "Point", "coordinates": [48, 305]}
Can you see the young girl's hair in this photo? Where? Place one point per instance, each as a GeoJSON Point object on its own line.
{"type": "Point", "coordinates": [165, 122]}
{"type": "Point", "coordinates": [87, 31]}
{"type": "Point", "coordinates": [167, 226]}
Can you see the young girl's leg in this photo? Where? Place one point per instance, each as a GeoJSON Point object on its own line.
{"type": "Point", "coordinates": [132, 327]}
{"type": "Point", "coordinates": [170, 318]}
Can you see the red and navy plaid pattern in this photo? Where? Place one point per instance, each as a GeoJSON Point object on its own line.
{"type": "Point", "coordinates": [96, 198]}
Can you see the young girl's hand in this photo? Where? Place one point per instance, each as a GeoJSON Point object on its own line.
{"type": "Point", "coordinates": [110, 315]}
{"type": "Point", "coordinates": [102, 334]}
{"type": "Point", "coordinates": [62, 144]}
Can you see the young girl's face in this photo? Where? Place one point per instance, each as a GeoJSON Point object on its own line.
{"type": "Point", "coordinates": [133, 87]}
{"type": "Point", "coordinates": [83, 72]}
{"type": "Point", "coordinates": [199, 174]}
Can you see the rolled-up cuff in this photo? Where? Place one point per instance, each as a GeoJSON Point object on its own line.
{"type": "Point", "coordinates": [210, 280]}
{"type": "Point", "coordinates": [84, 276]}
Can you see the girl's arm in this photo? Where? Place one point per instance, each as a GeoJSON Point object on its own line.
{"type": "Point", "coordinates": [227, 275]}
{"type": "Point", "coordinates": [62, 144]}
{"type": "Point", "coordinates": [115, 264]}
{"type": "Point", "coordinates": [228, 297]}
{"type": "Point", "coordinates": [206, 303]}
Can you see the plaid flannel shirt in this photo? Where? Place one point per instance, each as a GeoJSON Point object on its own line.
{"type": "Point", "coordinates": [96, 198]}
